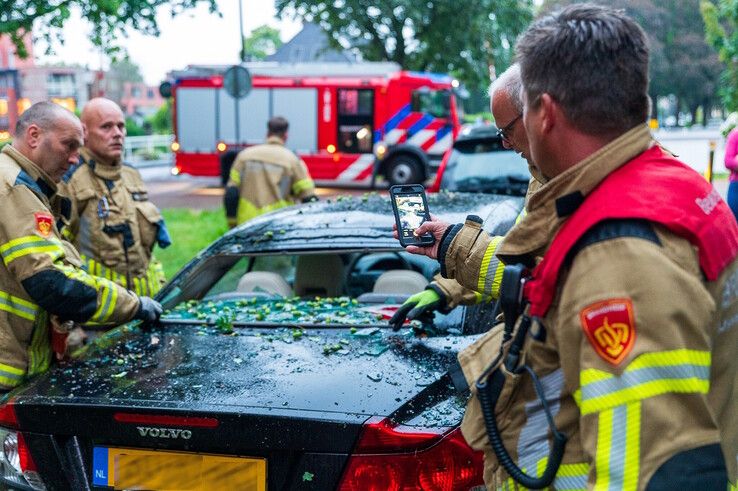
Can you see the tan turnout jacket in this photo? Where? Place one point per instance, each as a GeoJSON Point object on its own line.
{"type": "Point", "coordinates": [489, 273]}
{"type": "Point", "coordinates": [112, 195]}
{"type": "Point", "coordinates": [268, 177]}
{"type": "Point", "coordinates": [623, 421]}
{"type": "Point", "coordinates": [41, 273]}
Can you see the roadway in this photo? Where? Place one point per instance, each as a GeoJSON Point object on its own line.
{"type": "Point", "coordinates": [167, 191]}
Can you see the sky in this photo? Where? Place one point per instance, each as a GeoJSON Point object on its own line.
{"type": "Point", "coordinates": [194, 37]}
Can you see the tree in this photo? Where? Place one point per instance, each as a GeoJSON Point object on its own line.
{"type": "Point", "coordinates": [121, 71]}
{"type": "Point", "coordinates": [681, 62]}
{"type": "Point", "coordinates": [109, 18]}
{"type": "Point", "coordinates": [161, 120]}
{"type": "Point", "coordinates": [471, 39]}
{"type": "Point", "coordinates": [262, 42]}
{"type": "Point", "coordinates": [721, 22]}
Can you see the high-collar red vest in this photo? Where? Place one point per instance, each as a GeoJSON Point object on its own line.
{"type": "Point", "coordinates": [656, 187]}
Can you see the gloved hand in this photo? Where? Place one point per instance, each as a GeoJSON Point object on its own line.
{"type": "Point", "coordinates": [426, 301]}
{"type": "Point", "coordinates": [149, 309]}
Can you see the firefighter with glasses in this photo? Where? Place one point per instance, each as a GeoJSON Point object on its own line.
{"type": "Point", "coordinates": [442, 293]}
{"type": "Point", "coordinates": [43, 286]}
{"type": "Point", "coordinates": [617, 366]}
{"type": "Point", "coordinates": [113, 224]}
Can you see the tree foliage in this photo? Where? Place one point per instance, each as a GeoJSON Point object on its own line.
{"type": "Point", "coordinates": [468, 38]}
{"type": "Point", "coordinates": [721, 31]}
{"type": "Point", "coordinates": [262, 42]}
{"type": "Point", "coordinates": [161, 120]}
{"type": "Point", "coordinates": [682, 63]}
{"type": "Point", "coordinates": [109, 18]}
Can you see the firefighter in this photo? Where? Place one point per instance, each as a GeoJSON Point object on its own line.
{"type": "Point", "coordinates": [42, 284]}
{"type": "Point", "coordinates": [443, 293]}
{"type": "Point", "coordinates": [266, 177]}
{"type": "Point", "coordinates": [619, 368]}
{"type": "Point", "coordinates": [113, 224]}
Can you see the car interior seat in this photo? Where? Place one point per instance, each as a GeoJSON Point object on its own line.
{"type": "Point", "coordinates": [319, 275]}
{"type": "Point", "coordinates": [400, 282]}
{"type": "Point", "coordinates": [264, 282]}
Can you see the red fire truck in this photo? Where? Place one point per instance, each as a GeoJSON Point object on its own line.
{"type": "Point", "coordinates": [349, 122]}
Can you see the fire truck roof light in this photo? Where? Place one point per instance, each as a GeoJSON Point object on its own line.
{"type": "Point", "coordinates": [221, 146]}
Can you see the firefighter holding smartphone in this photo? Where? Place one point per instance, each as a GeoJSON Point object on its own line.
{"type": "Point", "coordinates": [619, 370]}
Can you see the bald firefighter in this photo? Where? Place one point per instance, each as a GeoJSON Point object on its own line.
{"type": "Point", "coordinates": [266, 177]}
{"type": "Point", "coordinates": [113, 224]}
{"type": "Point", "coordinates": [443, 293]}
{"type": "Point", "coordinates": [42, 283]}
{"type": "Point", "coordinates": [616, 367]}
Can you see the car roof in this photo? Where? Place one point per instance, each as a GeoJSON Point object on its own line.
{"type": "Point", "coordinates": [356, 222]}
{"type": "Point", "coordinates": [477, 132]}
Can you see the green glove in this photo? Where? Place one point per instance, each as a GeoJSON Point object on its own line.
{"type": "Point", "coordinates": [426, 301]}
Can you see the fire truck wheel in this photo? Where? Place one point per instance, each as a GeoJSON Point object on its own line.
{"type": "Point", "coordinates": [404, 169]}
{"type": "Point", "coordinates": [226, 162]}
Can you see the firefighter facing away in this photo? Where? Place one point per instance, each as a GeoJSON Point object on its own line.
{"type": "Point", "coordinates": [618, 369]}
{"type": "Point", "coordinates": [113, 224]}
{"type": "Point", "coordinates": [266, 177]}
{"type": "Point", "coordinates": [42, 283]}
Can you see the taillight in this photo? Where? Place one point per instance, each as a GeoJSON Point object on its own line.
{"type": "Point", "coordinates": [397, 458]}
{"type": "Point", "coordinates": [16, 463]}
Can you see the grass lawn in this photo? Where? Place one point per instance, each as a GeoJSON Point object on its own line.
{"type": "Point", "coordinates": [191, 231]}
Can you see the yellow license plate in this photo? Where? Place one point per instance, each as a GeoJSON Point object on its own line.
{"type": "Point", "coordinates": [127, 468]}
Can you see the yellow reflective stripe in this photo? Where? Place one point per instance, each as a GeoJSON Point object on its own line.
{"type": "Point", "coordinates": [569, 477]}
{"type": "Point", "coordinates": [521, 215]}
{"type": "Point", "coordinates": [649, 375]}
{"type": "Point", "coordinates": [617, 461]}
{"type": "Point", "coordinates": [732, 486]}
{"type": "Point", "coordinates": [39, 349]}
{"type": "Point", "coordinates": [11, 376]}
{"type": "Point", "coordinates": [18, 306]}
{"type": "Point", "coordinates": [489, 254]}
{"type": "Point", "coordinates": [30, 244]}
{"type": "Point", "coordinates": [632, 446]}
{"type": "Point", "coordinates": [602, 457]}
{"type": "Point", "coordinates": [302, 185]}
{"type": "Point", "coordinates": [235, 176]}
{"type": "Point", "coordinates": [247, 210]}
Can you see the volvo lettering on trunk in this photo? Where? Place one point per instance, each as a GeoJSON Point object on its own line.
{"type": "Point", "coordinates": [164, 432]}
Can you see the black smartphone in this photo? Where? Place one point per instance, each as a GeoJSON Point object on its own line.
{"type": "Point", "coordinates": [411, 209]}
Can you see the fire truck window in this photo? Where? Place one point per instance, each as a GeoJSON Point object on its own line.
{"type": "Point", "coordinates": [437, 103]}
{"type": "Point", "coordinates": [355, 102]}
{"type": "Point", "coordinates": [355, 120]}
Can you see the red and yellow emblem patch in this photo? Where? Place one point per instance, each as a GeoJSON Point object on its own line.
{"type": "Point", "coordinates": [44, 223]}
{"type": "Point", "coordinates": [610, 327]}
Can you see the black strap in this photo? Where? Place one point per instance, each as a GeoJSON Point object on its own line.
{"type": "Point", "coordinates": [614, 229]}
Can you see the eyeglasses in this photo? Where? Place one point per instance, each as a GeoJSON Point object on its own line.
{"type": "Point", "coordinates": [503, 132]}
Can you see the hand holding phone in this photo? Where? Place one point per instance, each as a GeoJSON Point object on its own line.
{"type": "Point", "coordinates": [410, 207]}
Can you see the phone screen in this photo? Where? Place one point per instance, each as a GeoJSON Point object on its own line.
{"type": "Point", "coordinates": [411, 210]}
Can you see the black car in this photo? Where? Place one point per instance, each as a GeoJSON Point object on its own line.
{"type": "Point", "coordinates": [478, 162]}
{"type": "Point", "coordinates": [273, 367]}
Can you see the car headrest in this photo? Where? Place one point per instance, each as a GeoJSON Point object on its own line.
{"type": "Point", "coordinates": [400, 282]}
{"type": "Point", "coordinates": [319, 275]}
{"type": "Point", "coordinates": [264, 282]}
